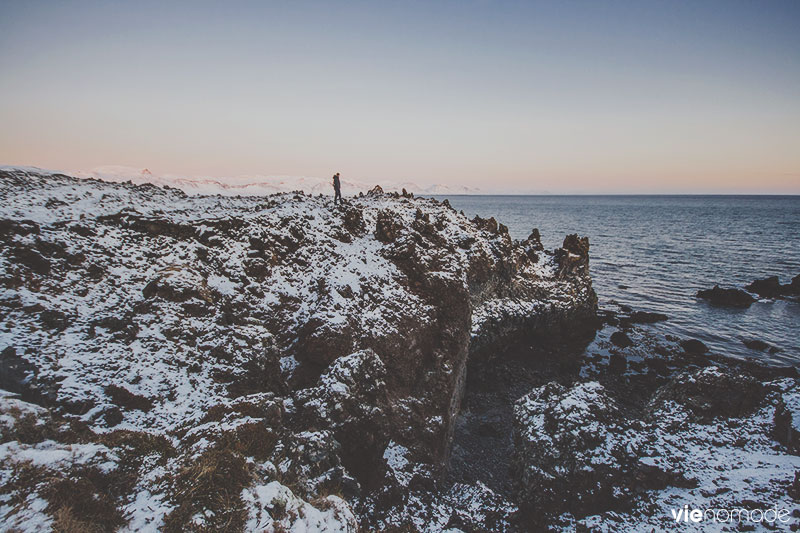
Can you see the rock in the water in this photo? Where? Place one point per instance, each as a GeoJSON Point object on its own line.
{"type": "Point", "coordinates": [758, 344]}
{"type": "Point", "coordinates": [794, 286]}
{"type": "Point", "coordinates": [644, 317]}
{"type": "Point", "coordinates": [768, 287]}
{"type": "Point", "coordinates": [726, 297]}
{"type": "Point", "coordinates": [771, 287]}
{"type": "Point", "coordinates": [621, 339]}
{"type": "Point", "coordinates": [694, 347]}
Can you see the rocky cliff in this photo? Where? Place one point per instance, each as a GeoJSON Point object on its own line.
{"type": "Point", "coordinates": [248, 363]}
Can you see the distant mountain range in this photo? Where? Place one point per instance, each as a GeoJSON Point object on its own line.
{"type": "Point", "coordinates": [252, 185]}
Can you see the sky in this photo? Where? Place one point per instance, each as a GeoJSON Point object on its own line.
{"type": "Point", "coordinates": [560, 97]}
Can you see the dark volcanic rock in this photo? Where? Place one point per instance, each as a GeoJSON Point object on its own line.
{"type": "Point", "coordinates": [386, 227]}
{"type": "Point", "coordinates": [573, 450]}
{"type": "Point", "coordinates": [644, 317]}
{"type": "Point", "coordinates": [573, 256]}
{"type": "Point", "coordinates": [535, 240]}
{"type": "Point", "coordinates": [758, 344]}
{"type": "Point", "coordinates": [694, 347]}
{"type": "Point", "coordinates": [351, 398]}
{"type": "Point", "coordinates": [712, 393]}
{"type": "Point", "coordinates": [768, 287]}
{"type": "Point", "coordinates": [794, 286]}
{"type": "Point", "coordinates": [15, 372]}
{"type": "Point", "coordinates": [124, 398]}
{"type": "Point", "coordinates": [786, 422]}
{"type": "Point", "coordinates": [10, 228]}
{"type": "Point", "coordinates": [726, 297]}
{"type": "Point", "coordinates": [771, 287]}
{"type": "Point", "coordinates": [178, 284]}
{"type": "Point", "coordinates": [32, 259]}
{"type": "Point", "coordinates": [621, 339]}
{"type": "Point", "coordinates": [193, 313]}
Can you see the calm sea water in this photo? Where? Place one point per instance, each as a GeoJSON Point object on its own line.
{"type": "Point", "coordinates": [655, 252]}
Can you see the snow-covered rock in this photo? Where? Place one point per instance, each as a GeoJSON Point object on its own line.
{"type": "Point", "coordinates": [259, 339]}
{"type": "Point", "coordinates": [574, 450]}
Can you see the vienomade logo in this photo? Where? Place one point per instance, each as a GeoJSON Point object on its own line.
{"type": "Point", "coordinates": [771, 516]}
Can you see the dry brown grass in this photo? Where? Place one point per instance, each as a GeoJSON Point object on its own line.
{"type": "Point", "coordinates": [33, 428]}
{"type": "Point", "coordinates": [252, 439]}
{"type": "Point", "coordinates": [79, 498]}
{"type": "Point", "coordinates": [23, 480]}
{"type": "Point", "coordinates": [87, 499]}
{"type": "Point", "coordinates": [138, 444]}
{"type": "Point", "coordinates": [64, 521]}
{"type": "Point", "coordinates": [321, 501]}
{"type": "Point", "coordinates": [212, 482]}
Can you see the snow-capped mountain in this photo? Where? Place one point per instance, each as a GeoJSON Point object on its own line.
{"type": "Point", "coordinates": [257, 185]}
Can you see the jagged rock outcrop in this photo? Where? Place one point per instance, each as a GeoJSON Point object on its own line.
{"type": "Point", "coordinates": [277, 339]}
{"type": "Point", "coordinates": [573, 450]}
{"type": "Point", "coordinates": [726, 297]}
{"type": "Point", "coordinates": [585, 455]}
{"type": "Point", "coordinates": [771, 287]}
{"type": "Point", "coordinates": [711, 393]}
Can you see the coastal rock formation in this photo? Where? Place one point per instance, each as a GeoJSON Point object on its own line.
{"type": "Point", "coordinates": [276, 363]}
{"type": "Point", "coordinates": [260, 361]}
{"type": "Point", "coordinates": [726, 297]}
{"type": "Point", "coordinates": [572, 450]}
{"type": "Point", "coordinates": [587, 457]}
{"type": "Point", "coordinates": [771, 287]}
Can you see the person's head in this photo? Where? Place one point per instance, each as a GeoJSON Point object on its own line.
{"type": "Point", "coordinates": [337, 174]}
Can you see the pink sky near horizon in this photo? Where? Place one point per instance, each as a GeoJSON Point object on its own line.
{"type": "Point", "coordinates": [621, 98]}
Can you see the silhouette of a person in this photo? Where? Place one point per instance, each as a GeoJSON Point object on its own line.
{"type": "Point", "coordinates": [337, 187]}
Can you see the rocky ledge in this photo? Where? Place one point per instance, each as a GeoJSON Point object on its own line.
{"type": "Point", "coordinates": [271, 363]}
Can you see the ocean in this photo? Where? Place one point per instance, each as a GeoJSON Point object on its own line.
{"type": "Point", "coordinates": [654, 253]}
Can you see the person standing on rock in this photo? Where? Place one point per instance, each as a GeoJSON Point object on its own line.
{"type": "Point", "coordinates": [337, 187]}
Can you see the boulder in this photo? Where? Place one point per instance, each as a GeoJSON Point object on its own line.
{"type": "Point", "coordinates": [758, 344]}
{"type": "Point", "coordinates": [712, 392]}
{"type": "Point", "coordinates": [644, 317]}
{"type": "Point", "coordinates": [534, 240]}
{"type": "Point", "coordinates": [726, 297]}
{"type": "Point", "coordinates": [794, 286]}
{"type": "Point", "coordinates": [621, 339]}
{"type": "Point", "coordinates": [768, 287]}
{"type": "Point", "coordinates": [573, 256]}
{"type": "Point", "coordinates": [771, 287]}
{"type": "Point", "coordinates": [387, 228]}
{"type": "Point", "coordinates": [694, 347]}
{"type": "Point", "coordinates": [573, 450]}
{"type": "Point", "coordinates": [179, 284]}
{"type": "Point", "coordinates": [351, 399]}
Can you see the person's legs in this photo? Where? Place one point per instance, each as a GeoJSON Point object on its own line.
{"type": "Point", "coordinates": [338, 196]}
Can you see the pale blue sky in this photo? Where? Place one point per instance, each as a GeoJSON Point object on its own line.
{"type": "Point", "coordinates": [562, 96]}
